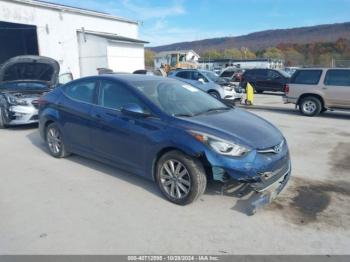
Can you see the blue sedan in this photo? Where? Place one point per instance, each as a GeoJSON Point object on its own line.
{"type": "Point", "coordinates": [164, 130]}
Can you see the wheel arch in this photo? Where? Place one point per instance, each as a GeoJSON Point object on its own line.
{"type": "Point", "coordinates": [312, 95]}
{"type": "Point", "coordinates": [199, 156]}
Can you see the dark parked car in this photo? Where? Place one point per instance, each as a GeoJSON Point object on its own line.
{"type": "Point", "coordinates": [165, 130]}
{"type": "Point", "coordinates": [23, 80]}
{"type": "Point", "coordinates": [265, 79]}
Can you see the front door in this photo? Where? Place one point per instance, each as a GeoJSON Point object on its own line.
{"type": "Point", "coordinates": [117, 137]}
{"type": "Point", "coordinates": [336, 87]}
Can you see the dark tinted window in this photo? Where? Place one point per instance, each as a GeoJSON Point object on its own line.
{"type": "Point", "coordinates": [306, 77]}
{"type": "Point", "coordinates": [273, 74]}
{"type": "Point", "coordinates": [115, 96]}
{"type": "Point", "coordinates": [183, 74]}
{"type": "Point", "coordinates": [337, 78]}
{"type": "Point", "coordinates": [256, 72]}
{"type": "Point", "coordinates": [82, 90]}
{"type": "Point", "coordinates": [227, 74]}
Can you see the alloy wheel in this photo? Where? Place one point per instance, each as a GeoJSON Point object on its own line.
{"type": "Point", "coordinates": [54, 140]}
{"type": "Point", "coordinates": [175, 179]}
{"type": "Point", "coordinates": [309, 107]}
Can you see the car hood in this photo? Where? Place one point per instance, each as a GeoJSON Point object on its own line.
{"type": "Point", "coordinates": [34, 68]}
{"type": "Point", "coordinates": [239, 126]}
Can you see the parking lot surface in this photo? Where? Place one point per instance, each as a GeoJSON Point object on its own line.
{"type": "Point", "coordinates": [79, 206]}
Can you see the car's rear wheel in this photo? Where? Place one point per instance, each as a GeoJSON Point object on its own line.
{"type": "Point", "coordinates": [310, 106]}
{"type": "Point", "coordinates": [54, 141]}
{"type": "Point", "coordinates": [181, 178]}
{"type": "Point", "coordinates": [214, 94]}
{"type": "Point", "coordinates": [2, 119]}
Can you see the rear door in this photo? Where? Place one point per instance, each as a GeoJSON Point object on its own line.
{"type": "Point", "coordinates": [75, 107]}
{"type": "Point", "coordinates": [336, 86]}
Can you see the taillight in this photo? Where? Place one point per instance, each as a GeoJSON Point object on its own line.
{"type": "Point", "coordinates": [286, 88]}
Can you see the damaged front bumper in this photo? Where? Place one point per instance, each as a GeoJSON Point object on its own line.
{"type": "Point", "coordinates": [22, 115]}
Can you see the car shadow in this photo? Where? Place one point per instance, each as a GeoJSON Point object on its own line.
{"type": "Point", "coordinates": [291, 111]}
{"type": "Point", "coordinates": [241, 194]}
{"type": "Point", "coordinates": [139, 181]}
{"type": "Point", "coordinates": [22, 127]}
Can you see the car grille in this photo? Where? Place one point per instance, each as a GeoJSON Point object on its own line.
{"type": "Point", "coordinates": [273, 150]}
{"type": "Point", "coordinates": [266, 176]}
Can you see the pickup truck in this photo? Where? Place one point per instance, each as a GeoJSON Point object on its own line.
{"type": "Point", "coordinates": [316, 90]}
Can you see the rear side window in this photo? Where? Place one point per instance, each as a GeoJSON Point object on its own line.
{"type": "Point", "coordinates": [83, 91]}
{"type": "Point", "coordinates": [337, 78]}
{"type": "Point", "coordinates": [306, 77]}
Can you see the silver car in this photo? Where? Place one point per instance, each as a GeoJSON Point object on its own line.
{"type": "Point", "coordinates": [23, 80]}
{"type": "Point", "coordinates": [207, 81]}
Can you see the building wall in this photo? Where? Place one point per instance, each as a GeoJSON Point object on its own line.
{"type": "Point", "coordinates": [125, 57]}
{"type": "Point", "coordinates": [57, 30]}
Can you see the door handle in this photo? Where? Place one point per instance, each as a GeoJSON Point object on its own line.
{"type": "Point", "coordinates": [97, 117]}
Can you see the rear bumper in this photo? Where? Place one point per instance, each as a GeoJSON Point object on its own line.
{"type": "Point", "coordinates": [288, 99]}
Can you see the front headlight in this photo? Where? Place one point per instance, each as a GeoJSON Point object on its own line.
{"type": "Point", "coordinates": [14, 101]}
{"type": "Point", "coordinates": [219, 145]}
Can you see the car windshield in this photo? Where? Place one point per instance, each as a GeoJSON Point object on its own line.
{"type": "Point", "coordinates": [177, 98]}
{"type": "Point", "coordinates": [22, 86]}
{"type": "Point", "coordinates": [211, 75]}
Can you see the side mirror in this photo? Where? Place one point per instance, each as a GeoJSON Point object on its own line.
{"type": "Point", "coordinates": [134, 110]}
{"type": "Point", "coordinates": [201, 80]}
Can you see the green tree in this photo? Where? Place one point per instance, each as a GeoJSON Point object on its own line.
{"type": "Point", "coordinates": [233, 53]}
{"type": "Point", "coordinates": [212, 54]}
{"type": "Point", "coordinates": [149, 58]}
{"type": "Point", "coordinates": [293, 57]}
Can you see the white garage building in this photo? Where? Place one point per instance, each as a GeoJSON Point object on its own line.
{"type": "Point", "coordinates": [81, 40]}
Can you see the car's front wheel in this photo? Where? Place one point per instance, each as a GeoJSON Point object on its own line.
{"type": "Point", "coordinates": [2, 119]}
{"type": "Point", "coordinates": [310, 106]}
{"type": "Point", "coordinates": [181, 178]}
{"type": "Point", "coordinates": [54, 141]}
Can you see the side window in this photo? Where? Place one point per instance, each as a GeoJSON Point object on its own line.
{"type": "Point", "coordinates": [195, 75]}
{"type": "Point", "coordinates": [273, 75]}
{"type": "Point", "coordinates": [337, 77]}
{"type": "Point", "coordinates": [83, 91]}
{"type": "Point", "coordinates": [183, 74]}
{"type": "Point", "coordinates": [306, 77]}
{"type": "Point", "coordinates": [114, 96]}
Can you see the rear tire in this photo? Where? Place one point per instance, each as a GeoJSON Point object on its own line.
{"type": "Point", "coordinates": [180, 178]}
{"type": "Point", "coordinates": [54, 141]}
{"type": "Point", "coordinates": [2, 119]}
{"type": "Point", "coordinates": [310, 106]}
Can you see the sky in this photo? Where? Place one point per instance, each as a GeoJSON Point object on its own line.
{"type": "Point", "coordinates": [170, 21]}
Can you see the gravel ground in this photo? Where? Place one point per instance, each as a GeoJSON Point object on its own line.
{"type": "Point", "coordinates": [78, 206]}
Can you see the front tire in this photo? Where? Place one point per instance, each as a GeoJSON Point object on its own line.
{"type": "Point", "coordinates": [2, 119]}
{"type": "Point", "coordinates": [54, 141]}
{"type": "Point", "coordinates": [310, 106]}
{"type": "Point", "coordinates": [180, 178]}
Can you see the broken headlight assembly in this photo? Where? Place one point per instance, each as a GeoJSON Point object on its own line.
{"type": "Point", "coordinates": [12, 100]}
{"type": "Point", "coordinates": [219, 145]}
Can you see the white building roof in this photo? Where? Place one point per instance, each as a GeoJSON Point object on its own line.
{"type": "Point", "coordinates": [165, 53]}
{"type": "Point", "coordinates": [71, 9]}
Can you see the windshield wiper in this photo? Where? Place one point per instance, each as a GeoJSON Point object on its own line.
{"type": "Point", "coordinates": [214, 110]}
{"type": "Point", "coordinates": [183, 115]}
